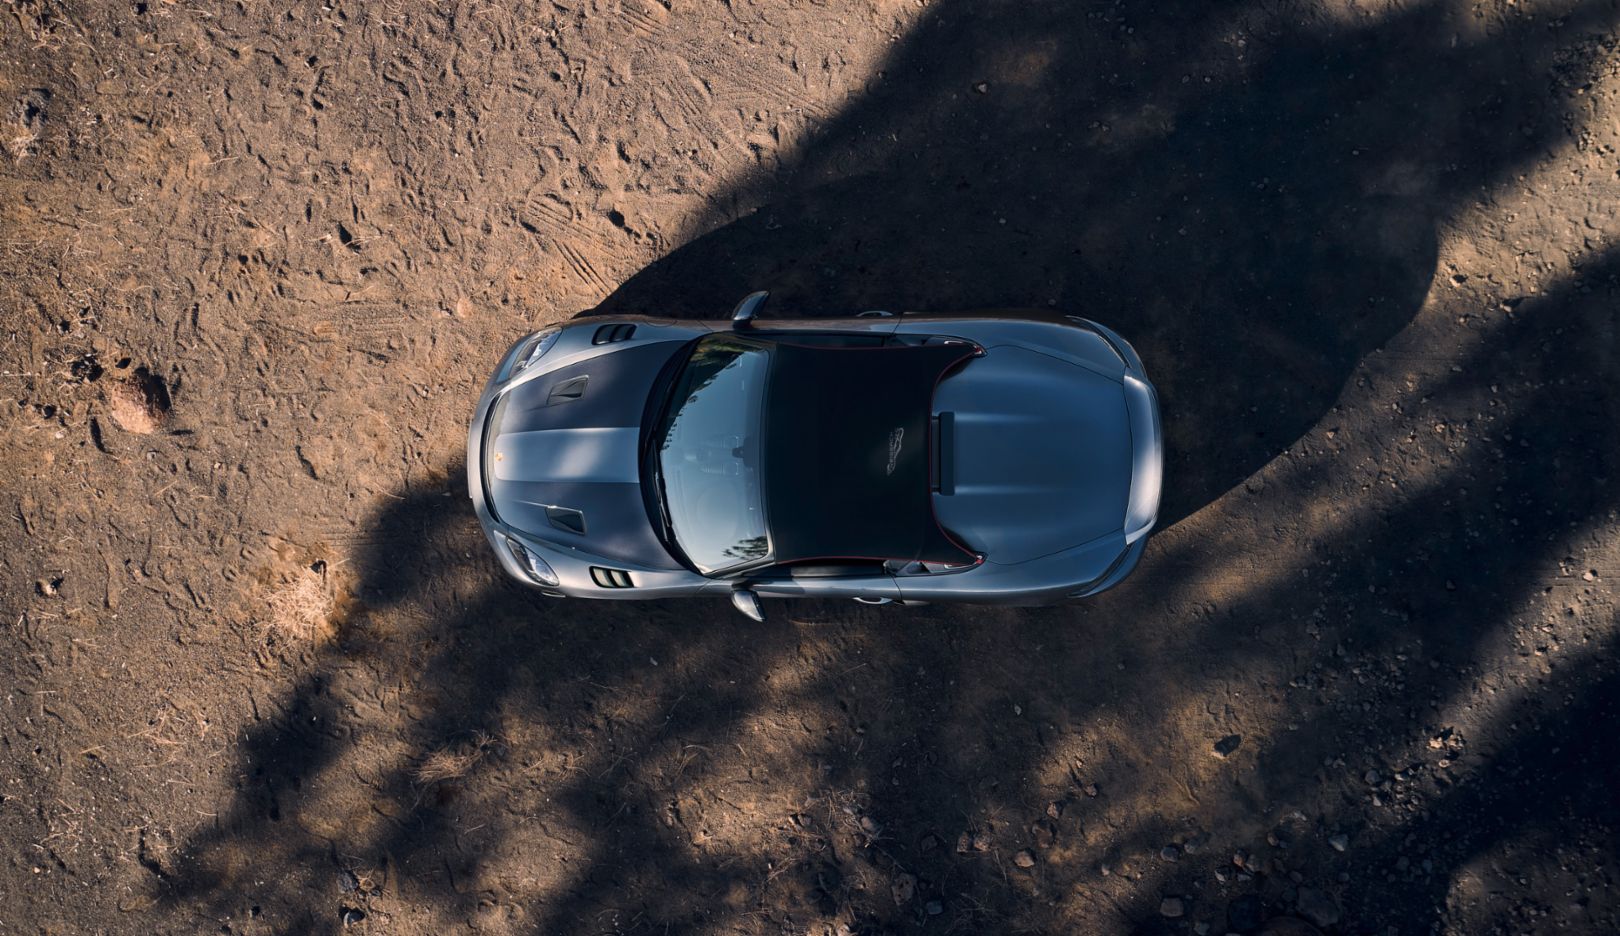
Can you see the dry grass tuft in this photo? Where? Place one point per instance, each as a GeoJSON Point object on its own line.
{"type": "Point", "coordinates": [299, 607]}
{"type": "Point", "coordinates": [453, 761]}
{"type": "Point", "coordinates": [21, 144]}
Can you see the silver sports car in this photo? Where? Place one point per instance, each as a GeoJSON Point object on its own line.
{"type": "Point", "coordinates": [999, 457]}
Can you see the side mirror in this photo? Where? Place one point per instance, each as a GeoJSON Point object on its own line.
{"type": "Point", "coordinates": [747, 309]}
{"type": "Point", "coordinates": [744, 600]}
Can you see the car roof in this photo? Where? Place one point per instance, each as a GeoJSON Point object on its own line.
{"type": "Point", "coordinates": [847, 452]}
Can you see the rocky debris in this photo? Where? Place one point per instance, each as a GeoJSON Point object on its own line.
{"type": "Point", "coordinates": [1318, 907]}
{"type": "Point", "coordinates": [1340, 842]}
{"type": "Point", "coordinates": [1172, 908]}
{"type": "Point", "coordinates": [1091, 790]}
{"type": "Point", "coordinates": [903, 888]}
{"type": "Point", "coordinates": [1024, 859]}
{"type": "Point", "coordinates": [969, 842]}
{"type": "Point", "coordinates": [1225, 746]}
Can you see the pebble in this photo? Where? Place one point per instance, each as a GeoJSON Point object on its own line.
{"type": "Point", "coordinates": [903, 888]}
{"type": "Point", "coordinates": [1091, 790]}
{"type": "Point", "coordinates": [934, 908]}
{"type": "Point", "coordinates": [1170, 853]}
{"type": "Point", "coordinates": [1172, 908]}
{"type": "Point", "coordinates": [1224, 747]}
{"type": "Point", "coordinates": [1339, 842]}
{"type": "Point", "coordinates": [1024, 859]}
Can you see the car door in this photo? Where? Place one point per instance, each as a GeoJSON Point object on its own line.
{"type": "Point", "coordinates": [830, 578]}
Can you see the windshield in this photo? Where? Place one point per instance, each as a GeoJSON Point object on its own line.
{"type": "Point", "coordinates": [709, 454]}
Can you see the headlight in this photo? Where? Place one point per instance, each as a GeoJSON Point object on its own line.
{"type": "Point", "coordinates": [534, 565]}
{"type": "Point", "coordinates": [535, 350]}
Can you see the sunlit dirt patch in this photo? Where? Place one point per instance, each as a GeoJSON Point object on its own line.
{"type": "Point", "coordinates": [140, 403]}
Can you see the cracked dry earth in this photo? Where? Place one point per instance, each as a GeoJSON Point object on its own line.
{"type": "Point", "coordinates": [259, 674]}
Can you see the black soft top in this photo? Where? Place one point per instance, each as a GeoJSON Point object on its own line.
{"type": "Point", "coordinates": [847, 453]}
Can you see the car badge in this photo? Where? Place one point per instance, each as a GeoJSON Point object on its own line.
{"type": "Point", "coordinates": [895, 439]}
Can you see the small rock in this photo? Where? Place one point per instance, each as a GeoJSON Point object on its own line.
{"type": "Point", "coordinates": [1054, 809]}
{"type": "Point", "coordinates": [1172, 908]}
{"type": "Point", "coordinates": [1024, 859]}
{"type": "Point", "coordinates": [982, 87]}
{"type": "Point", "coordinates": [351, 915]}
{"type": "Point", "coordinates": [1318, 907]}
{"type": "Point", "coordinates": [929, 843]}
{"type": "Point", "coordinates": [934, 908]}
{"type": "Point", "coordinates": [1202, 929]}
{"type": "Point", "coordinates": [903, 888]}
{"type": "Point", "coordinates": [1339, 842]}
{"type": "Point", "coordinates": [1225, 746]}
{"type": "Point", "coordinates": [1091, 790]}
{"type": "Point", "coordinates": [1044, 833]}
{"type": "Point", "coordinates": [1170, 853]}
{"type": "Point", "coordinates": [1372, 777]}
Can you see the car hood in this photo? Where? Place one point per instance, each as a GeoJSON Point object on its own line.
{"type": "Point", "coordinates": [561, 455]}
{"type": "Point", "coordinates": [1042, 454]}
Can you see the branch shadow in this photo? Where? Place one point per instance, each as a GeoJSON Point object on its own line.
{"type": "Point", "coordinates": [1252, 201]}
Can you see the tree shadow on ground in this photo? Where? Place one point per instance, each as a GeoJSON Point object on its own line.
{"type": "Point", "coordinates": [1253, 202]}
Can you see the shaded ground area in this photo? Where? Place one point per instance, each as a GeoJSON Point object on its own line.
{"type": "Point", "coordinates": [262, 676]}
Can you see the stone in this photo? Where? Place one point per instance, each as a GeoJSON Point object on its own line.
{"type": "Point", "coordinates": [1024, 859]}
{"type": "Point", "coordinates": [1340, 842]}
{"type": "Point", "coordinates": [1225, 746]}
{"type": "Point", "coordinates": [1172, 908]}
{"type": "Point", "coordinates": [903, 888]}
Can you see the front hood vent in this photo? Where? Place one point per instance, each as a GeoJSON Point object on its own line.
{"type": "Point", "coordinates": [567, 519]}
{"type": "Point", "coordinates": [608, 334]}
{"type": "Point", "coordinates": [567, 391]}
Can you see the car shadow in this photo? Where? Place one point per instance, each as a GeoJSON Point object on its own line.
{"type": "Point", "coordinates": [1254, 203]}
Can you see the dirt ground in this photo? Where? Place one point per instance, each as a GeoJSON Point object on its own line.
{"type": "Point", "coordinates": [260, 674]}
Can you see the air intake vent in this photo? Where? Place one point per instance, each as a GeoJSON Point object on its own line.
{"type": "Point", "coordinates": [610, 578]}
{"type": "Point", "coordinates": [608, 334]}
{"type": "Point", "coordinates": [566, 519]}
{"type": "Point", "coordinates": [568, 391]}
